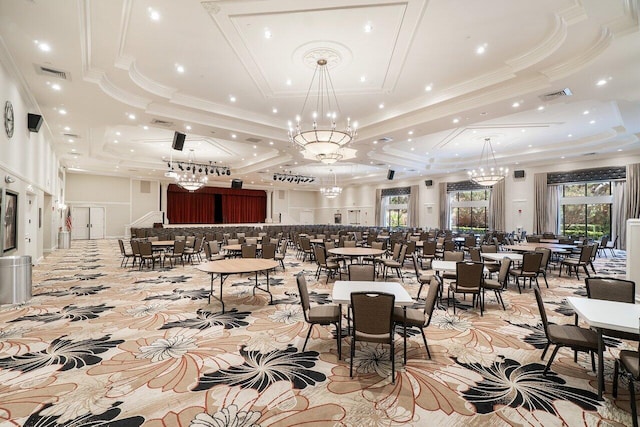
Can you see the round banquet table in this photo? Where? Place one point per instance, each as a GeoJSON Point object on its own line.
{"type": "Point", "coordinates": [227, 267]}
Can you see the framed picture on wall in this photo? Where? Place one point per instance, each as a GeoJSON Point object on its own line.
{"type": "Point", "coordinates": [10, 221]}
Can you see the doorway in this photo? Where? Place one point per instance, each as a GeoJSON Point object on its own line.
{"type": "Point", "coordinates": [87, 223]}
{"type": "Point", "coordinates": [31, 227]}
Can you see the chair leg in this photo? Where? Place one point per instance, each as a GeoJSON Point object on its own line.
{"type": "Point", "coordinates": [308, 335]}
{"type": "Point", "coordinates": [593, 362]}
{"type": "Point", "coordinates": [553, 355]}
{"type": "Point", "coordinates": [499, 298]}
{"type": "Point", "coordinates": [424, 338]}
{"type": "Point", "coordinates": [544, 352]}
{"type": "Point", "coordinates": [393, 362]}
{"type": "Point", "coordinates": [353, 353]}
{"type": "Point", "coordinates": [339, 327]}
{"type": "Point", "coordinates": [544, 274]}
{"type": "Point", "coordinates": [616, 371]}
{"type": "Point", "coordinates": [632, 398]}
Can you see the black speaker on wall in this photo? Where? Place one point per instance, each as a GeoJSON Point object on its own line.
{"type": "Point", "coordinates": [390, 174]}
{"type": "Point", "coordinates": [34, 121]}
{"type": "Point", "coordinates": [518, 174]}
{"type": "Point", "coordinates": [428, 182]}
{"type": "Point", "coordinates": [236, 183]}
{"type": "Point", "coordinates": [178, 141]}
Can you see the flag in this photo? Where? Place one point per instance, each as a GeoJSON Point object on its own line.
{"type": "Point", "coordinates": [68, 221]}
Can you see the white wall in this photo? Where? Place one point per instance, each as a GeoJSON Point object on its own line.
{"type": "Point", "coordinates": [29, 159]}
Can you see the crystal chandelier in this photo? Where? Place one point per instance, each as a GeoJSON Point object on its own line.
{"type": "Point", "coordinates": [331, 192]}
{"type": "Point", "coordinates": [323, 141]}
{"type": "Point", "coordinates": [488, 173]}
{"type": "Point", "coordinates": [191, 179]}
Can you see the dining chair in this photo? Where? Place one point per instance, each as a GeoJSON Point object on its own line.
{"type": "Point", "coordinates": [125, 255]}
{"type": "Point", "coordinates": [581, 261]}
{"type": "Point", "coordinates": [572, 336]}
{"type": "Point", "coordinates": [248, 251]}
{"type": "Point", "coordinates": [395, 264]}
{"type": "Point", "coordinates": [423, 279]}
{"type": "Point", "coordinates": [469, 276]}
{"type": "Point", "coordinates": [306, 249]}
{"type": "Point", "coordinates": [268, 251]}
{"type": "Point", "coordinates": [373, 322]}
{"type": "Point", "coordinates": [362, 272]}
{"type": "Point", "coordinates": [325, 314]}
{"type": "Point", "coordinates": [629, 361]}
{"type": "Point", "coordinates": [135, 250]}
{"type": "Point", "coordinates": [456, 256]}
{"type": "Point", "coordinates": [147, 254]}
{"type": "Point", "coordinates": [416, 317]}
{"type": "Point", "coordinates": [491, 266]}
{"type": "Point", "coordinates": [282, 253]}
{"type": "Point", "coordinates": [529, 269]}
{"type": "Point", "coordinates": [612, 289]}
{"type": "Point", "coordinates": [497, 286]}
{"type": "Point", "coordinates": [214, 251]}
{"type": "Point", "coordinates": [594, 255]}
{"type": "Point", "coordinates": [195, 250]}
{"type": "Point", "coordinates": [177, 254]}
{"type": "Point", "coordinates": [323, 264]}
{"type": "Point", "coordinates": [544, 262]}
{"type": "Point", "coordinates": [611, 245]}
{"type": "Point", "coordinates": [428, 251]}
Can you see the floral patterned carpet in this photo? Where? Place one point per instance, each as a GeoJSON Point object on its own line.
{"type": "Point", "coordinates": [102, 345]}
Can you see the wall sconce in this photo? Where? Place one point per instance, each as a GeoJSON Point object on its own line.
{"type": "Point", "coordinates": [9, 179]}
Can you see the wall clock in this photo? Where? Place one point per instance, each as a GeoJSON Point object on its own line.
{"type": "Point", "coordinates": [8, 119]}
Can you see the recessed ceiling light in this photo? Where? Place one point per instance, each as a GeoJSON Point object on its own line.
{"type": "Point", "coordinates": [232, 98]}
{"type": "Point", "coordinates": [410, 132]}
{"type": "Point", "coordinates": [267, 33]}
{"type": "Point", "coordinates": [67, 128]}
{"type": "Point", "coordinates": [118, 133]}
{"type": "Point", "coordinates": [255, 146]}
{"type": "Point", "coordinates": [481, 49]}
{"type": "Point", "coordinates": [619, 149]}
{"type": "Point", "coordinates": [179, 68]}
{"type": "Point", "coordinates": [540, 108]}
{"type": "Point", "coordinates": [43, 46]}
{"type": "Point", "coordinates": [73, 150]}
{"type": "Point", "coordinates": [154, 15]}
{"type": "Point", "coordinates": [233, 135]}
{"type": "Point", "coordinates": [131, 116]}
{"type": "Point", "coordinates": [255, 154]}
{"type": "Point", "coordinates": [585, 112]}
{"type": "Point", "coordinates": [601, 82]}
{"type": "Point", "coordinates": [530, 145]}
{"type": "Point", "coordinates": [427, 153]}
{"type": "Point", "coordinates": [523, 130]}
{"type": "Point", "coordinates": [288, 82]}
{"type": "Point", "coordinates": [145, 127]}
{"type": "Point", "coordinates": [187, 127]}
{"type": "Point", "coordinates": [70, 139]}
{"type": "Point", "coordinates": [570, 135]}
{"type": "Point", "coordinates": [456, 120]}
{"type": "Point", "coordinates": [368, 28]}
{"type": "Point", "coordinates": [515, 104]}
{"type": "Point", "coordinates": [428, 87]}
{"type": "Point", "coordinates": [381, 106]}
{"type": "Point", "coordinates": [274, 110]}
{"type": "Point", "coordinates": [56, 86]}
{"type": "Point", "coordinates": [562, 157]}
{"type": "Point", "coordinates": [115, 141]}
{"type": "Point", "coordinates": [412, 149]}
{"type": "Point", "coordinates": [409, 139]}
{"type": "Point", "coordinates": [592, 122]}
{"type": "Point", "coordinates": [62, 111]}
{"type": "Point", "coordinates": [363, 79]}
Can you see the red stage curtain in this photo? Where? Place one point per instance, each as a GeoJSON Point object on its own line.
{"type": "Point", "coordinates": [238, 205]}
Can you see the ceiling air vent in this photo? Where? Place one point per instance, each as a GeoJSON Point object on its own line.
{"type": "Point", "coordinates": [554, 95]}
{"type": "Point", "coordinates": [164, 123]}
{"type": "Point", "coordinates": [589, 154]}
{"type": "Point", "coordinates": [52, 72]}
{"type": "Point", "coordinates": [71, 135]}
{"type": "Point", "coordinates": [385, 139]}
{"type": "Point", "coordinates": [254, 140]}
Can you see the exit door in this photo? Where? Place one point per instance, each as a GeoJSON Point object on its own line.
{"type": "Point", "coordinates": [87, 223]}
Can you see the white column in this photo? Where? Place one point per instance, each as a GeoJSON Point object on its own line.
{"type": "Point", "coordinates": [268, 219]}
{"type": "Point", "coordinates": [633, 251]}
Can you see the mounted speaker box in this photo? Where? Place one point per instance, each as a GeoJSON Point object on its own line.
{"type": "Point", "coordinates": [34, 121]}
{"type": "Point", "coordinates": [390, 174]}
{"type": "Point", "coordinates": [178, 141]}
{"type": "Point", "coordinates": [236, 183]}
{"type": "Point", "coordinates": [518, 174]}
{"type": "Point", "coordinates": [428, 182]}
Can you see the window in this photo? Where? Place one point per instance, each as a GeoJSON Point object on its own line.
{"type": "Point", "coordinates": [585, 209]}
{"type": "Point", "coordinates": [469, 210]}
{"type": "Point", "coordinates": [395, 210]}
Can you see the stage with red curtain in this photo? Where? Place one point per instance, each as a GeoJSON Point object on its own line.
{"type": "Point", "coordinates": [214, 205]}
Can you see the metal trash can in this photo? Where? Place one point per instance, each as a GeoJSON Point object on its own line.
{"type": "Point", "coordinates": [15, 279]}
{"type": "Point", "coordinates": [64, 240]}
